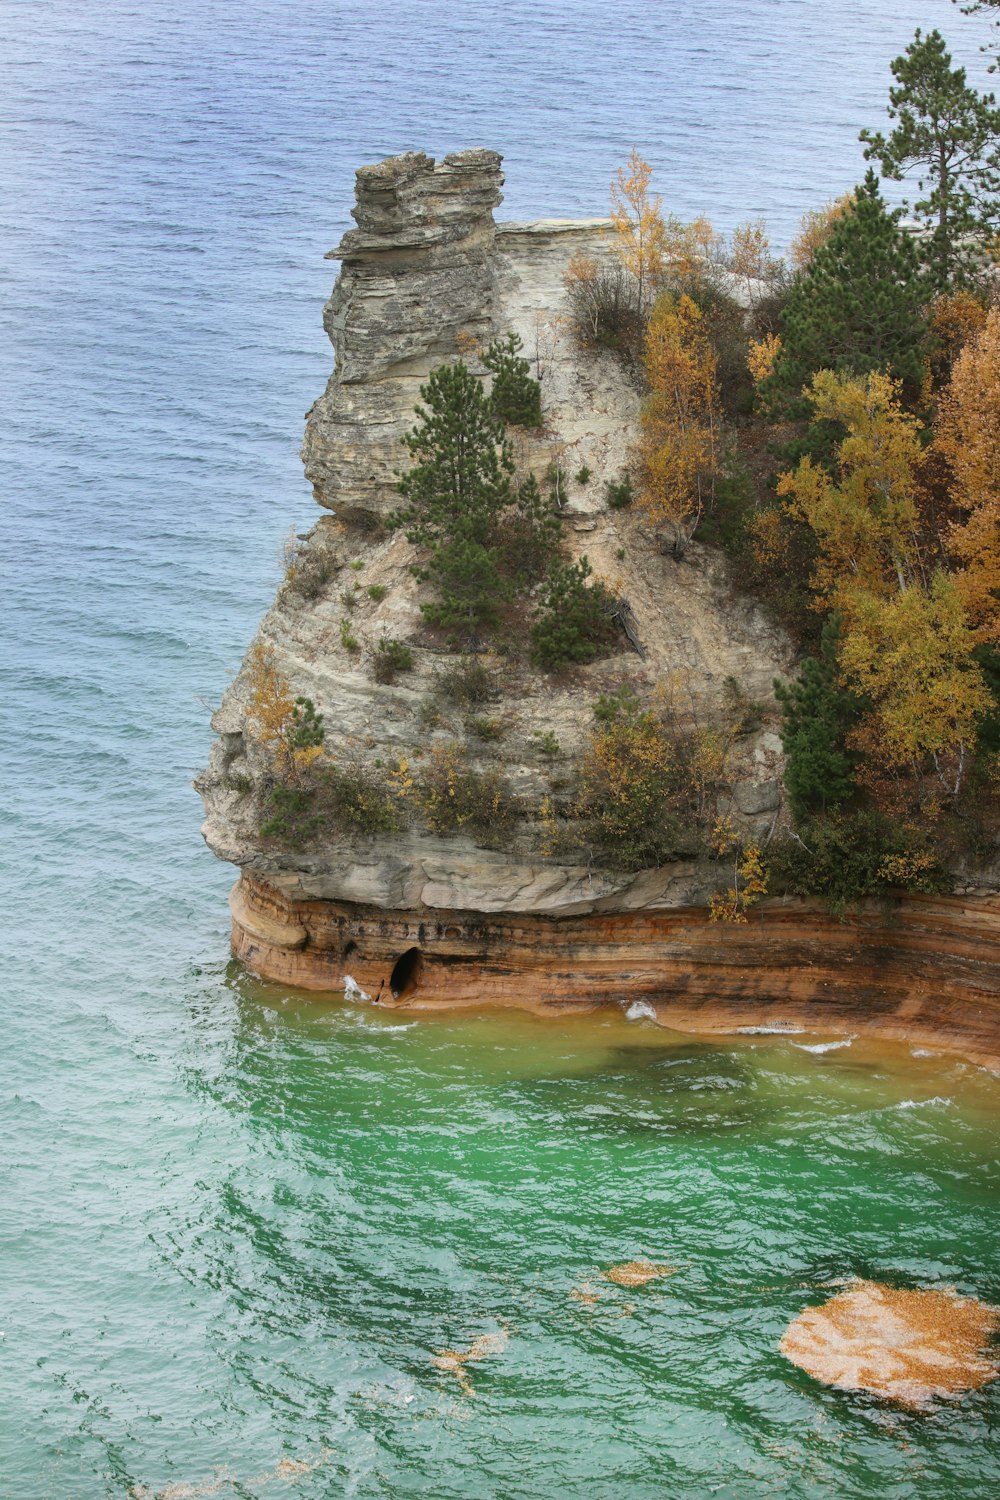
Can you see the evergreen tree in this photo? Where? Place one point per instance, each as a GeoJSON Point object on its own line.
{"type": "Point", "coordinates": [858, 306]}
{"type": "Point", "coordinates": [456, 490]}
{"type": "Point", "coordinates": [950, 135]}
{"type": "Point", "coordinates": [530, 535]}
{"type": "Point", "coordinates": [574, 623]}
{"type": "Point", "coordinates": [516, 398]}
{"type": "Point", "coordinates": [818, 713]}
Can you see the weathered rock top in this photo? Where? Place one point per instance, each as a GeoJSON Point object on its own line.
{"type": "Point", "coordinates": [412, 200]}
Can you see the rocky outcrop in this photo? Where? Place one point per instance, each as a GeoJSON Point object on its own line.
{"type": "Point", "coordinates": [425, 277]}
{"type": "Point", "coordinates": [418, 271]}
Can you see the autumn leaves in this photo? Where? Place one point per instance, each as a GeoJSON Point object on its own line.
{"type": "Point", "coordinates": [892, 391]}
{"type": "Point", "coordinates": [906, 643]}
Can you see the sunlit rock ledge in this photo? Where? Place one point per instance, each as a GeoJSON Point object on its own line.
{"type": "Point", "coordinates": [441, 920]}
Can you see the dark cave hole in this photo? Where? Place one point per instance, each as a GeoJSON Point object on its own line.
{"type": "Point", "coordinates": [404, 971]}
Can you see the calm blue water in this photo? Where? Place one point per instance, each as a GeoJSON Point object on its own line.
{"type": "Point", "coordinates": [170, 177]}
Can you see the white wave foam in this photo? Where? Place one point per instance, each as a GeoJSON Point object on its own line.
{"type": "Point", "coordinates": [640, 1010]}
{"type": "Point", "coordinates": [777, 1028]}
{"type": "Point", "coordinates": [938, 1099]}
{"type": "Point", "coordinates": [823, 1046]}
{"type": "Point", "coordinates": [353, 990]}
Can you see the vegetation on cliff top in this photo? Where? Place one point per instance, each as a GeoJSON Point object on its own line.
{"type": "Point", "coordinates": [870, 489]}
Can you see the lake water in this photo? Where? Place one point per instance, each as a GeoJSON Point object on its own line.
{"type": "Point", "coordinates": [236, 1224]}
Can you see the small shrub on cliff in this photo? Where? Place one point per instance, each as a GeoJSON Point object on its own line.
{"type": "Point", "coordinates": [456, 797]}
{"type": "Point", "coordinates": [484, 727]}
{"type": "Point", "coordinates": [621, 702]}
{"type": "Point", "coordinates": [844, 858]}
{"type": "Point", "coordinates": [363, 799]}
{"type": "Point", "coordinates": [745, 714]}
{"type": "Point", "coordinates": [292, 819]}
{"type": "Point", "coordinates": [389, 658]}
{"type": "Point", "coordinates": [309, 566]}
{"type": "Point", "coordinates": [469, 680]}
{"type": "Point", "coordinates": [630, 781]}
{"type": "Point", "coordinates": [620, 495]}
{"type": "Point", "coordinates": [602, 305]}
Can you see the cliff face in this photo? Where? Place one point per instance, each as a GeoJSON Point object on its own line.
{"type": "Point", "coordinates": [425, 276]}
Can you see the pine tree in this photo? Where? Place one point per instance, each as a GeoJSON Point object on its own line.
{"type": "Point", "coordinates": [857, 307]}
{"type": "Point", "coordinates": [456, 491]}
{"type": "Point", "coordinates": [516, 398]}
{"type": "Point", "coordinates": [530, 535]}
{"type": "Point", "coordinates": [950, 135]}
{"type": "Point", "coordinates": [818, 714]}
{"type": "Point", "coordinates": [573, 624]}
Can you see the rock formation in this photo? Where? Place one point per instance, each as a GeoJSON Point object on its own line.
{"type": "Point", "coordinates": [425, 277]}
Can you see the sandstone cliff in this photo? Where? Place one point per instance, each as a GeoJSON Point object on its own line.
{"type": "Point", "coordinates": [426, 268]}
{"type": "Point", "coordinates": [426, 275]}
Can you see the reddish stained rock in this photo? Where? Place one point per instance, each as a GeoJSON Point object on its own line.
{"type": "Point", "coordinates": [925, 972]}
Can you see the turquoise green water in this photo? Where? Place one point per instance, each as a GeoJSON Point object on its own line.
{"type": "Point", "coordinates": [234, 1225]}
{"type": "Point", "coordinates": [271, 1230]}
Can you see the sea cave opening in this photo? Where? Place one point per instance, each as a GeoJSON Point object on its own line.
{"type": "Point", "coordinates": [404, 972]}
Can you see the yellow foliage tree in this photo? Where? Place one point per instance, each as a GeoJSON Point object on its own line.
{"type": "Point", "coordinates": [955, 319]}
{"type": "Point", "coordinates": [911, 655]}
{"type": "Point", "coordinates": [678, 447]}
{"type": "Point", "coordinates": [815, 229]}
{"type": "Point", "coordinates": [638, 219]}
{"type": "Point", "coordinates": [761, 356]}
{"type": "Point", "coordinates": [689, 250]}
{"type": "Point", "coordinates": [629, 778]}
{"type": "Point", "coordinates": [866, 519]}
{"type": "Point", "coordinates": [270, 705]}
{"type": "Point", "coordinates": [750, 875]}
{"type": "Point", "coordinates": [969, 437]}
{"type": "Point", "coordinates": [750, 261]}
{"type": "Point", "coordinates": [906, 645]}
{"type": "Point", "coordinates": [274, 716]}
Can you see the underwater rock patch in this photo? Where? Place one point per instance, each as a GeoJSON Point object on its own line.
{"type": "Point", "coordinates": [637, 1273]}
{"type": "Point", "coordinates": [454, 1361]}
{"type": "Point", "coordinates": [909, 1346]}
{"type": "Point", "coordinates": [585, 1294]}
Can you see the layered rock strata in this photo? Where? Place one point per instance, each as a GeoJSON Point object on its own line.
{"type": "Point", "coordinates": [426, 277]}
{"type": "Point", "coordinates": [924, 971]}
